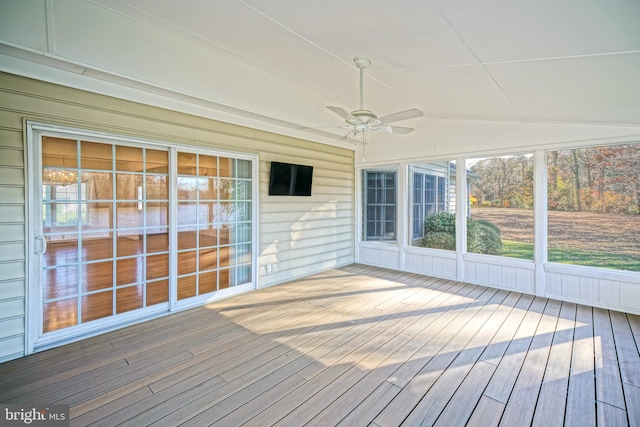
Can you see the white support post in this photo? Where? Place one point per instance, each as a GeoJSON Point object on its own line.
{"type": "Point", "coordinates": [461, 216]}
{"type": "Point", "coordinates": [540, 219]}
{"type": "Point", "coordinates": [402, 233]}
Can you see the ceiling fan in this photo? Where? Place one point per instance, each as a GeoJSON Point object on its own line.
{"type": "Point", "coordinates": [362, 120]}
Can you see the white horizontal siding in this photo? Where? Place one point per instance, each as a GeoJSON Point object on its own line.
{"type": "Point", "coordinates": [302, 235]}
{"type": "Point", "coordinates": [12, 242]}
{"type": "Point", "coordinates": [12, 251]}
{"type": "Point", "coordinates": [12, 193]}
{"type": "Point", "coordinates": [11, 308]}
{"type": "Point", "coordinates": [11, 327]}
{"type": "Point", "coordinates": [11, 157]}
{"type": "Point", "coordinates": [12, 347]}
{"type": "Point", "coordinates": [12, 213]}
{"type": "Point", "coordinates": [12, 289]}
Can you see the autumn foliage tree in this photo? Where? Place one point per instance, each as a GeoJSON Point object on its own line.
{"type": "Point", "coordinates": [596, 179]}
{"type": "Point", "coordinates": [600, 179]}
{"type": "Point", "coordinates": [503, 182]}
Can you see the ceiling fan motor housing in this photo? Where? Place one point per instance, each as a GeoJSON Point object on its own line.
{"type": "Point", "coordinates": [364, 116]}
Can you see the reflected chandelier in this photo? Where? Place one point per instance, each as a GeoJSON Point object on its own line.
{"type": "Point", "coordinates": [59, 177]}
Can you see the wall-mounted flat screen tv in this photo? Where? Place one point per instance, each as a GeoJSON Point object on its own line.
{"type": "Point", "coordinates": [287, 179]}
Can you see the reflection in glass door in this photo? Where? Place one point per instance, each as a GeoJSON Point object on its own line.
{"type": "Point", "coordinates": [213, 223]}
{"type": "Point", "coordinates": [105, 220]}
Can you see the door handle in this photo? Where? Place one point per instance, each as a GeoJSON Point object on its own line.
{"type": "Point", "coordinates": [41, 245]}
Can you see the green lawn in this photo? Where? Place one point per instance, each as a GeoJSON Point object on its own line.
{"type": "Point", "coordinates": [577, 257]}
{"type": "Point", "coordinates": [517, 250]}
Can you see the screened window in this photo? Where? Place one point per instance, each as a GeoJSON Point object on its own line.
{"type": "Point", "coordinates": [594, 206]}
{"type": "Point", "coordinates": [380, 199]}
{"type": "Point", "coordinates": [433, 192]}
{"type": "Point", "coordinates": [500, 194]}
{"type": "Point", "coordinates": [429, 196]}
{"type": "Point", "coordinates": [418, 205]}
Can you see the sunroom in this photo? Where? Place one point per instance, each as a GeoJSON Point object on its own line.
{"type": "Point", "coordinates": [458, 184]}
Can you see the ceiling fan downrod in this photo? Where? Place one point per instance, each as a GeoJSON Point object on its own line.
{"type": "Point", "coordinates": [364, 116]}
{"type": "Point", "coordinates": [361, 63]}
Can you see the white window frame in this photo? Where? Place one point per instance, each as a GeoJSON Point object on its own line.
{"type": "Point", "coordinates": [365, 219]}
{"type": "Point", "coordinates": [441, 200]}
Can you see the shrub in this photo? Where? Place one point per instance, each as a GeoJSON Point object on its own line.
{"type": "Point", "coordinates": [483, 237]}
{"type": "Point", "coordinates": [490, 240]}
{"type": "Point", "coordinates": [439, 240]}
{"type": "Point", "coordinates": [444, 222]}
{"type": "Point", "coordinates": [474, 244]}
{"type": "Point", "coordinates": [489, 224]}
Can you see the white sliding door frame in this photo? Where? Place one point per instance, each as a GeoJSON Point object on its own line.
{"type": "Point", "coordinates": [35, 339]}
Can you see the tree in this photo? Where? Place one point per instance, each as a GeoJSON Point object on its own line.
{"type": "Point", "coordinates": [575, 168]}
{"type": "Point", "coordinates": [505, 181]}
{"type": "Point", "coordinates": [601, 179]}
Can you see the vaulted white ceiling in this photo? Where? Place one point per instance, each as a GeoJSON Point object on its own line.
{"type": "Point", "coordinates": [569, 62]}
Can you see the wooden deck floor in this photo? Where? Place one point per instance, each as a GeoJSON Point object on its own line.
{"type": "Point", "coordinates": [352, 346]}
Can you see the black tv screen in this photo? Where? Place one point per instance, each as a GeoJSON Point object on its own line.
{"type": "Point", "coordinates": [290, 180]}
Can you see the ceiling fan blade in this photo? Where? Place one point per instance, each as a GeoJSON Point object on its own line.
{"type": "Point", "coordinates": [343, 113]}
{"type": "Point", "coordinates": [402, 115]}
{"type": "Point", "coordinates": [396, 129]}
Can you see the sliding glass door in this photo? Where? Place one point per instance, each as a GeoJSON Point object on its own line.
{"type": "Point", "coordinates": [126, 229]}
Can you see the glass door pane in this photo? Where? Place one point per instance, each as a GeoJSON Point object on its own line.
{"type": "Point", "coordinates": [214, 223]}
{"type": "Point", "coordinates": [105, 219]}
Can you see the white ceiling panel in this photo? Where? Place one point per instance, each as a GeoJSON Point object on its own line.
{"type": "Point", "coordinates": [24, 22]}
{"type": "Point", "coordinates": [506, 30]}
{"type": "Point", "coordinates": [234, 29]}
{"type": "Point", "coordinates": [464, 92]}
{"type": "Point", "coordinates": [410, 32]}
{"type": "Point", "coordinates": [598, 89]}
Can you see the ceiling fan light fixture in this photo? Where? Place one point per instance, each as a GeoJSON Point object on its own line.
{"type": "Point", "coordinates": [364, 116]}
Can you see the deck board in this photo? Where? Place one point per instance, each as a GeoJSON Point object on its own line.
{"type": "Point", "coordinates": [527, 387]}
{"type": "Point", "coordinates": [552, 398]}
{"type": "Point", "coordinates": [503, 380]}
{"type": "Point", "coordinates": [472, 339]}
{"type": "Point", "coordinates": [580, 409]}
{"type": "Point", "coordinates": [354, 346]}
{"type": "Point", "coordinates": [608, 382]}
